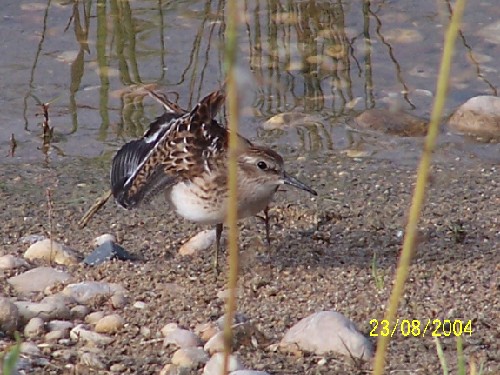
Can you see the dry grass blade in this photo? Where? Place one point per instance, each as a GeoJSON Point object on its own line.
{"type": "Point", "coordinates": [232, 215]}
{"type": "Point", "coordinates": [422, 177]}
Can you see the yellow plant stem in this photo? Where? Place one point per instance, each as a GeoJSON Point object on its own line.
{"type": "Point", "coordinates": [422, 177]}
{"type": "Point", "coordinates": [232, 214]}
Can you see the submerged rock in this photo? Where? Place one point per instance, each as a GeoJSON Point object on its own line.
{"type": "Point", "coordinates": [390, 122]}
{"type": "Point", "coordinates": [479, 116]}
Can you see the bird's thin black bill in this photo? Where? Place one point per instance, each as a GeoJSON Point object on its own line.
{"type": "Point", "coordinates": [292, 181]}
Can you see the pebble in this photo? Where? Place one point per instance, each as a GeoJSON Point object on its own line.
{"type": "Point", "coordinates": [248, 372]}
{"type": "Point", "coordinates": [110, 324]}
{"type": "Point", "coordinates": [98, 241]}
{"type": "Point", "coordinates": [216, 364]}
{"type": "Point", "coordinates": [10, 262]}
{"type": "Point", "coordinates": [119, 300]}
{"type": "Point", "coordinates": [60, 325]}
{"type": "Point", "coordinates": [491, 32]}
{"type": "Point", "coordinates": [239, 318]}
{"type": "Point", "coordinates": [140, 305]}
{"type": "Point", "coordinates": [45, 310]}
{"type": "Point", "coordinates": [395, 122]}
{"type": "Point", "coordinates": [85, 292]}
{"type": "Point", "coordinates": [37, 279]}
{"type": "Point", "coordinates": [51, 251]}
{"type": "Point", "coordinates": [81, 332]}
{"type": "Point", "coordinates": [206, 330]}
{"type": "Point", "coordinates": [199, 242]}
{"type": "Point", "coordinates": [118, 367]}
{"type": "Point", "coordinates": [54, 336]}
{"type": "Point", "coordinates": [191, 357]}
{"type": "Point", "coordinates": [327, 331]}
{"type": "Point", "coordinates": [289, 120]}
{"type": "Point", "coordinates": [94, 317]}
{"type": "Point", "coordinates": [30, 348]}
{"type": "Point", "coordinates": [35, 328]}
{"type": "Point", "coordinates": [9, 316]}
{"type": "Point", "coordinates": [182, 338]}
{"type": "Point", "coordinates": [64, 354]}
{"type": "Point", "coordinates": [92, 360]}
{"type": "Point", "coordinates": [215, 344]}
{"type": "Point", "coordinates": [479, 116]}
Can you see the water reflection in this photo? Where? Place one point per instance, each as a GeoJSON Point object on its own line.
{"type": "Point", "coordinates": [331, 58]}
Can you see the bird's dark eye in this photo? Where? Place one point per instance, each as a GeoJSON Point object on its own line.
{"type": "Point", "coordinates": [262, 165]}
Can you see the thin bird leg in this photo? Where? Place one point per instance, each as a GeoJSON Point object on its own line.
{"type": "Point", "coordinates": [218, 233]}
{"type": "Point", "coordinates": [268, 226]}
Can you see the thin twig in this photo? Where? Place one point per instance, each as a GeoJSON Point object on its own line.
{"type": "Point", "coordinates": [101, 201]}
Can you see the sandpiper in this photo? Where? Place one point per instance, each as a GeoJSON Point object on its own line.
{"type": "Point", "coordinates": [184, 154]}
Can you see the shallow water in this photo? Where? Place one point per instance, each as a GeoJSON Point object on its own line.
{"type": "Point", "coordinates": [327, 60]}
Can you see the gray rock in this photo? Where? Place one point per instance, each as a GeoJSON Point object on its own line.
{"type": "Point", "coordinates": [248, 372]}
{"type": "Point", "coordinates": [37, 279]}
{"type": "Point", "coordinates": [46, 311]}
{"type": "Point", "coordinates": [30, 348]}
{"type": "Point", "coordinates": [327, 331]}
{"type": "Point", "coordinates": [85, 292]}
{"type": "Point", "coordinates": [35, 328]}
{"type": "Point", "coordinates": [107, 251]}
{"type": "Point", "coordinates": [51, 251]}
{"type": "Point", "coordinates": [182, 338]}
{"type": "Point", "coordinates": [216, 364]}
{"type": "Point", "coordinates": [9, 262]}
{"type": "Point", "coordinates": [9, 316]}
{"type": "Point", "coordinates": [479, 116]}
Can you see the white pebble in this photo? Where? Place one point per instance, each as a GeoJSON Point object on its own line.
{"type": "Point", "coordinates": [215, 365]}
{"type": "Point", "coordinates": [37, 279]}
{"type": "Point", "coordinates": [181, 338]}
{"type": "Point", "coordinates": [215, 344]}
{"type": "Point", "coordinates": [199, 242]}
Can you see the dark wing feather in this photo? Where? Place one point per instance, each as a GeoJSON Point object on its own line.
{"type": "Point", "coordinates": [125, 164]}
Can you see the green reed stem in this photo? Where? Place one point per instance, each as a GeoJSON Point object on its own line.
{"type": "Point", "coordinates": [422, 177]}
{"type": "Point", "coordinates": [232, 214]}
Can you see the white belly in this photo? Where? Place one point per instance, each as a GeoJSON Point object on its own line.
{"type": "Point", "coordinates": [185, 198]}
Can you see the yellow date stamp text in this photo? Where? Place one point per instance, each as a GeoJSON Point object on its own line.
{"type": "Point", "coordinates": [421, 327]}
